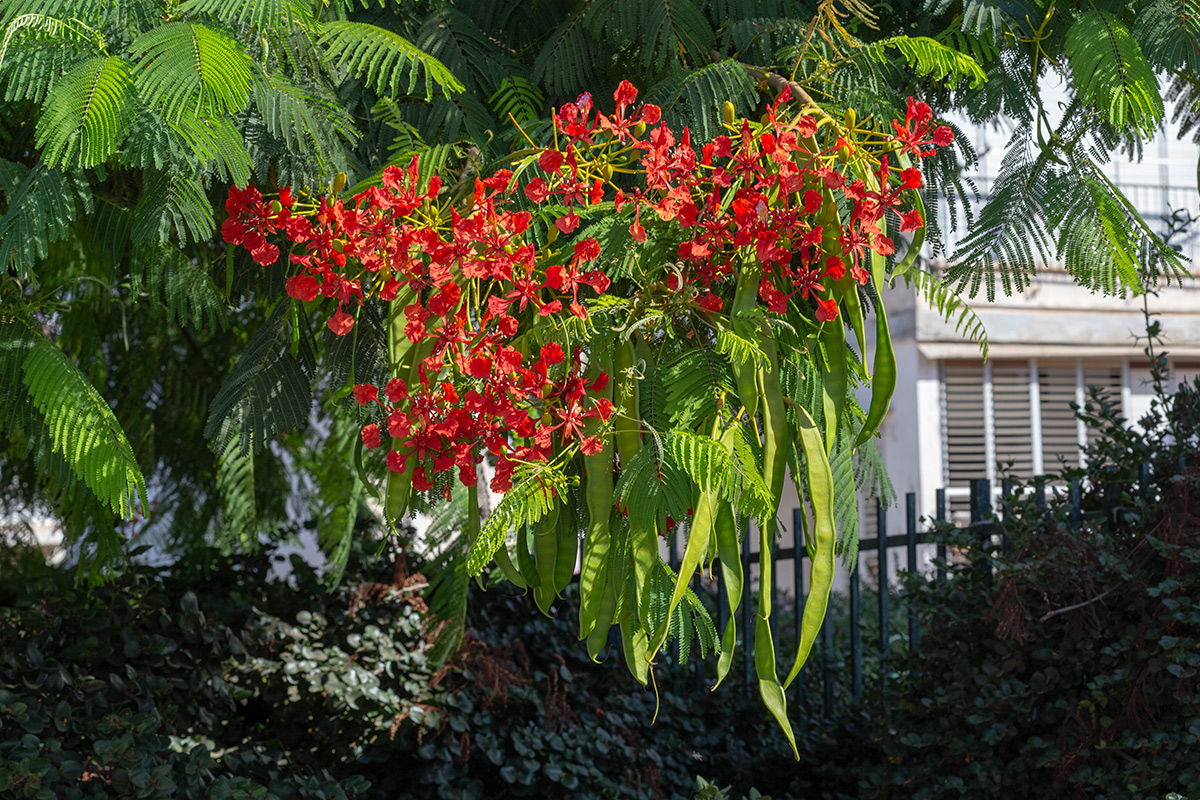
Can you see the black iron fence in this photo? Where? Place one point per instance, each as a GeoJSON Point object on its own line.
{"type": "Point", "coordinates": [841, 638]}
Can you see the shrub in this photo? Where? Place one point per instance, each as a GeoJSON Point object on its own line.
{"type": "Point", "coordinates": [1068, 657]}
{"type": "Point", "coordinates": [211, 681]}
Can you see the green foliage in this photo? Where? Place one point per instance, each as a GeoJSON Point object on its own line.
{"type": "Point", "coordinates": [87, 113]}
{"type": "Point", "coordinates": [80, 424]}
{"type": "Point", "coordinates": [41, 203]}
{"type": "Point", "coordinates": [953, 308]}
{"type": "Point", "coordinates": [1110, 71]}
{"type": "Point", "coordinates": [381, 58]}
{"type": "Point", "coordinates": [1066, 660]}
{"type": "Point", "coordinates": [189, 66]}
{"type": "Point", "coordinates": [267, 391]}
{"type": "Point", "coordinates": [931, 57]}
{"type": "Point", "coordinates": [531, 497]}
{"type": "Point", "coordinates": [196, 686]}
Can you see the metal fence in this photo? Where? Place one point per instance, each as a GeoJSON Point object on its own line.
{"type": "Point", "coordinates": [988, 505]}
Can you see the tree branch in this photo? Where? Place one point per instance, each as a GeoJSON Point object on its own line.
{"type": "Point", "coordinates": [1058, 611]}
{"type": "Point", "coordinates": [778, 83]}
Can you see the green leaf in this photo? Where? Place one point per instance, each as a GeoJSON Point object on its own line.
{"type": "Point", "coordinates": [1109, 71]}
{"type": "Point", "coordinates": [81, 425]}
{"type": "Point", "coordinates": [41, 208]}
{"type": "Point", "coordinates": [188, 66]}
{"type": "Point", "coordinates": [265, 393]}
{"type": "Point", "coordinates": [87, 114]}
{"type": "Point", "coordinates": [931, 58]}
{"type": "Point", "coordinates": [172, 202]}
{"type": "Point", "coordinates": [535, 490]}
{"type": "Point", "coordinates": [382, 58]}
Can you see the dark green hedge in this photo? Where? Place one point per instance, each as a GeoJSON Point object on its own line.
{"type": "Point", "coordinates": [211, 681]}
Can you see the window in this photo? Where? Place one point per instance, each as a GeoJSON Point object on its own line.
{"type": "Point", "coordinates": [1018, 412]}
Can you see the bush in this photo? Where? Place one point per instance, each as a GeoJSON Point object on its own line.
{"type": "Point", "coordinates": [182, 685]}
{"type": "Point", "coordinates": [1068, 657]}
{"type": "Point", "coordinates": [211, 681]}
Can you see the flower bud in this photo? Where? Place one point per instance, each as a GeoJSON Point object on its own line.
{"type": "Point", "coordinates": [728, 112]}
{"type": "Point", "coordinates": [339, 182]}
{"type": "Point", "coordinates": [850, 119]}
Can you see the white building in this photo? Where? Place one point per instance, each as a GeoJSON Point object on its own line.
{"type": "Point", "coordinates": [954, 416]}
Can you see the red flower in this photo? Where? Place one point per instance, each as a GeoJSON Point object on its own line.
{"type": "Point", "coordinates": [396, 390]}
{"type": "Point", "coordinates": [550, 161]}
{"type": "Point", "coordinates": [625, 94]}
{"type": "Point", "coordinates": [537, 190]}
{"type": "Point", "coordinates": [568, 223]}
{"type": "Point", "coordinates": [370, 436]}
{"type": "Point", "coordinates": [301, 287]}
{"type": "Point", "coordinates": [394, 461]}
{"type": "Point", "coordinates": [827, 310]}
{"type": "Point", "coordinates": [341, 323]}
{"type": "Point", "coordinates": [910, 221]}
{"type": "Point", "coordinates": [587, 250]}
{"type": "Point", "coordinates": [911, 178]}
{"type": "Point", "coordinates": [365, 393]}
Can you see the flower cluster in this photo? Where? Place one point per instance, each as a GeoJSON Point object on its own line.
{"type": "Point", "coordinates": [481, 281]}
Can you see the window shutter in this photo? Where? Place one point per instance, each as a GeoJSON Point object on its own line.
{"type": "Point", "coordinates": [1060, 429]}
{"type": "Point", "coordinates": [1010, 402]}
{"type": "Point", "coordinates": [965, 443]}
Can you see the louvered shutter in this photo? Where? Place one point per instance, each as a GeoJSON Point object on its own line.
{"type": "Point", "coordinates": [965, 439]}
{"type": "Point", "coordinates": [1011, 412]}
{"type": "Point", "coordinates": [1060, 429]}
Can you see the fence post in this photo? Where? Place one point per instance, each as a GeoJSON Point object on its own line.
{"type": "Point", "coordinates": [981, 512]}
{"type": "Point", "coordinates": [856, 664]}
{"type": "Point", "coordinates": [1076, 502]}
{"type": "Point", "coordinates": [940, 515]}
{"type": "Point", "coordinates": [910, 530]}
{"type": "Point", "coordinates": [884, 633]}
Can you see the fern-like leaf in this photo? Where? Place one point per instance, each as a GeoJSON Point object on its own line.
{"type": "Point", "coordinates": [1110, 72]}
{"type": "Point", "coordinates": [267, 391]}
{"type": "Point", "coordinates": [235, 485]}
{"type": "Point", "coordinates": [695, 97]}
{"type": "Point", "coordinates": [80, 423]}
{"type": "Point", "coordinates": [1010, 233]}
{"type": "Point", "coordinates": [87, 114]}
{"type": "Point", "coordinates": [184, 290]}
{"type": "Point", "coordinates": [383, 59]}
{"type": "Point", "coordinates": [41, 207]}
{"type": "Point", "coordinates": [568, 58]}
{"type": "Point", "coordinates": [172, 202]}
{"type": "Point", "coordinates": [189, 66]}
{"type": "Point", "coordinates": [694, 383]}
{"type": "Point", "coordinates": [1102, 238]}
{"type": "Point", "coordinates": [930, 57]}
{"type": "Point", "coordinates": [1169, 34]}
{"type": "Point", "coordinates": [261, 14]}
{"type": "Point", "coordinates": [954, 309]}
{"type": "Point", "coordinates": [535, 490]}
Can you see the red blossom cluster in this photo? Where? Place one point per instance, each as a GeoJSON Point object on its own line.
{"type": "Point", "coordinates": [441, 424]}
{"type": "Point", "coordinates": [472, 280]}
